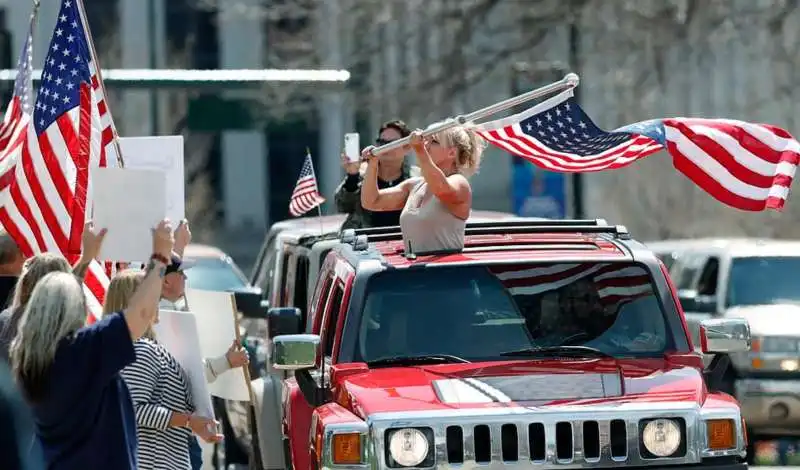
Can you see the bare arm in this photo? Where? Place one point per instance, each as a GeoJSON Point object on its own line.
{"type": "Point", "coordinates": [454, 190]}
{"type": "Point", "coordinates": [389, 199]}
{"type": "Point", "coordinates": [80, 268]}
{"type": "Point", "coordinates": [144, 304]}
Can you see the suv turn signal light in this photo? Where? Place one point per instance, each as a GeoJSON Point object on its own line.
{"type": "Point", "coordinates": [721, 434]}
{"type": "Point", "coordinates": [346, 449]}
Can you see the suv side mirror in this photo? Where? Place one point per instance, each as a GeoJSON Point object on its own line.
{"type": "Point", "coordinates": [249, 304]}
{"type": "Point", "coordinates": [295, 352]}
{"type": "Point", "coordinates": [724, 335]}
{"type": "Point", "coordinates": [283, 321]}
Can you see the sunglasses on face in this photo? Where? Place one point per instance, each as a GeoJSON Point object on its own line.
{"type": "Point", "coordinates": [379, 142]}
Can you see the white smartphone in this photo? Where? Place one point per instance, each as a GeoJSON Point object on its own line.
{"type": "Point", "coordinates": [351, 147]}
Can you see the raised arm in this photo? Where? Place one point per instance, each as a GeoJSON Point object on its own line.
{"type": "Point", "coordinates": [143, 305]}
{"type": "Point", "coordinates": [91, 249]}
{"type": "Point", "coordinates": [453, 191]}
{"type": "Point", "coordinates": [348, 194]}
{"type": "Point", "coordinates": [389, 199]}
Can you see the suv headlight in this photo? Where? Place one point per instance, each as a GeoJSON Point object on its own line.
{"type": "Point", "coordinates": [408, 447]}
{"type": "Point", "coordinates": [661, 437]}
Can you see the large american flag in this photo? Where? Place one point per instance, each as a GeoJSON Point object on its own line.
{"type": "Point", "coordinates": [305, 195]}
{"type": "Point", "coordinates": [616, 283]}
{"type": "Point", "coordinates": [43, 197]}
{"type": "Point", "coordinates": [747, 166]}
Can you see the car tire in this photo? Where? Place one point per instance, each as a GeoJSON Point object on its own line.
{"type": "Point", "coordinates": [751, 450]}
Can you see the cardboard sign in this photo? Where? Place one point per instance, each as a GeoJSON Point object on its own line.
{"type": "Point", "coordinates": [129, 203]}
{"type": "Point", "coordinates": [177, 331]}
{"type": "Point", "coordinates": [163, 153]}
{"type": "Point", "coordinates": [216, 324]}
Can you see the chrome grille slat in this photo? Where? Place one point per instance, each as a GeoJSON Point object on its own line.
{"type": "Point", "coordinates": [604, 426]}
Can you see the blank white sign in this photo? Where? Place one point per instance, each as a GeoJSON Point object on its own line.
{"type": "Point", "coordinates": [216, 325]}
{"type": "Point", "coordinates": [177, 331]}
{"type": "Point", "coordinates": [129, 203]}
{"type": "Point", "coordinates": [164, 153]}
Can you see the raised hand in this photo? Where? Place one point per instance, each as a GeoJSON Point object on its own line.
{"type": "Point", "coordinates": [183, 236]}
{"type": "Point", "coordinates": [92, 241]}
{"type": "Point", "coordinates": [163, 239]}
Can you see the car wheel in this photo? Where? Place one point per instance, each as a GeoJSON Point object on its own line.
{"type": "Point", "coordinates": [751, 449]}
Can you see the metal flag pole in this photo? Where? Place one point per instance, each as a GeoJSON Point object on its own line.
{"type": "Point", "coordinates": [87, 31]}
{"type": "Point", "coordinates": [319, 206]}
{"type": "Point", "coordinates": [570, 80]}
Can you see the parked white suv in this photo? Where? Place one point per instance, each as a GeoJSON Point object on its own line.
{"type": "Point", "coordinates": [757, 280]}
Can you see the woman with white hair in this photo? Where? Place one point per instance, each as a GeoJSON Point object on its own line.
{"type": "Point", "coordinates": [69, 373]}
{"type": "Point", "coordinates": [436, 206]}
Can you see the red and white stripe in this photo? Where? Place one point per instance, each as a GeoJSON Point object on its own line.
{"type": "Point", "coordinates": [745, 165]}
{"type": "Point", "coordinates": [615, 282]}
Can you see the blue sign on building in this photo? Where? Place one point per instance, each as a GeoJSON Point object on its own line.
{"type": "Point", "coordinates": [538, 192]}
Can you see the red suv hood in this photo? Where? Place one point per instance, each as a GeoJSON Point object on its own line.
{"type": "Point", "coordinates": [525, 383]}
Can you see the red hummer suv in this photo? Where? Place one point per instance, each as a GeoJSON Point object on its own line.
{"type": "Point", "coordinates": [540, 344]}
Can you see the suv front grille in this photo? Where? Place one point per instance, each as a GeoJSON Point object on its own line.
{"type": "Point", "coordinates": [530, 438]}
{"type": "Point", "coordinates": [568, 441]}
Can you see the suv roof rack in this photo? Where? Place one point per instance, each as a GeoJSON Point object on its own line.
{"type": "Point", "coordinates": [360, 237]}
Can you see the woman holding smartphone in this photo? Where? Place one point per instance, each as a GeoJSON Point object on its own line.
{"type": "Point", "coordinates": [394, 168]}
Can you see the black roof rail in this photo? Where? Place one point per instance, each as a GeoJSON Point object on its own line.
{"type": "Point", "coordinates": [500, 224]}
{"type": "Point", "coordinates": [496, 228]}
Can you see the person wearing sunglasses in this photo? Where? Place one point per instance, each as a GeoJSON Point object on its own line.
{"type": "Point", "coordinates": [434, 208]}
{"type": "Point", "coordinates": [394, 168]}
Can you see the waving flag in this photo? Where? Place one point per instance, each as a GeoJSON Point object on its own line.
{"type": "Point", "coordinates": [305, 195]}
{"type": "Point", "coordinates": [744, 165]}
{"type": "Point", "coordinates": [43, 195]}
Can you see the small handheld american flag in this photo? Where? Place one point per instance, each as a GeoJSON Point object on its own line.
{"type": "Point", "coordinates": [744, 165]}
{"type": "Point", "coordinates": [306, 195]}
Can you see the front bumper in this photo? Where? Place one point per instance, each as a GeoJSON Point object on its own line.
{"type": "Point", "coordinates": [770, 406]}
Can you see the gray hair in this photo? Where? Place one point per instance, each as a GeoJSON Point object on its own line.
{"type": "Point", "coordinates": [56, 310]}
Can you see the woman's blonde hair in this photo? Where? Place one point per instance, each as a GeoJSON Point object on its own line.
{"type": "Point", "coordinates": [56, 310]}
{"type": "Point", "coordinates": [120, 291]}
{"type": "Point", "coordinates": [468, 144]}
{"type": "Point", "coordinates": [34, 269]}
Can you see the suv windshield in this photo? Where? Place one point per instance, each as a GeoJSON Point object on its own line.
{"type": "Point", "coordinates": [484, 313]}
{"type": "Point", "coordinates": [763, 281]}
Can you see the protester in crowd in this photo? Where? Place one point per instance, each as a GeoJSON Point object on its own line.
{"type": "Point", "coordinates": [18, 447]}
{"type": "Point", "coordinates": [393, 169]}
{"type": "Point", "coordinates": [69, 373]}
{"type": "Point", "coordinates": [436, 206]}
{"type": "Point", "coordinates": [11, 261]}
{"type": "Point", "coordinates": [34, 269]}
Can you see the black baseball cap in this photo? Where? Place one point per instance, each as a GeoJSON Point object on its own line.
{"type": "Point", "coordinates": [177, 265]}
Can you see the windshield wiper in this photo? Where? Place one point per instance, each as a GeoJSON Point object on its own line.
{"type": "Point", "coordinates": [549, 351]}
{"type": "Point", "coordinates": [422, 359]}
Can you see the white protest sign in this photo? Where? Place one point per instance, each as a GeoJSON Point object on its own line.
{"type": "Point", "coordinates": [164, 153]}
{"type": "Point", "coordinates": [128, 203]}
{"type": "Point", "coordinates": [177, 331]}
{"type": "Point", "coordinates": [216, 326]}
